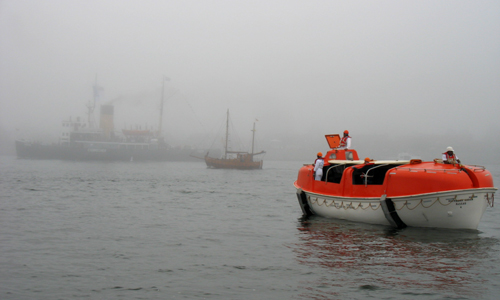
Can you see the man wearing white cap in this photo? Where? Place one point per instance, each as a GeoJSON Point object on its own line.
{"type": "Point", "coordinates": [449, 157]}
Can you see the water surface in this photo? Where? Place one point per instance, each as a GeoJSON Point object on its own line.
{"type": "Point", "coordinates": [172, 230]}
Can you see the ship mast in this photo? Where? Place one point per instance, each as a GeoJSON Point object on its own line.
{"type": "Point", "coordinates": [91, 106]}
{"type": "Point", "coordinates": [227, 134]}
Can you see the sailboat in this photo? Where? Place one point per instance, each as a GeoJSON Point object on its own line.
{"type": "Point", "coordinates": [243, 159]}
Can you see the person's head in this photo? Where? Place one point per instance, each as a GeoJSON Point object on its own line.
{"type": "Point", "coordinates": [320, 154]}
{"type": "Point", "coordinates": [449, 150]}
{"type": "Point", "coordinates": [346, 132]}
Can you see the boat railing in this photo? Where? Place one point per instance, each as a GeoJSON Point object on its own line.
{"type": "Point", "coordinates": [474, 168]}
{"type": "Point", "coordinates": [427, 170]}
{"type": "Point", "coordinates": [331, 168]}
{"type": "Point", "coordinates": [366, 176]}
{"type": "Point", "coordinates": [481, 168]}
{"type": "Point", "coordinates": [450, 171]}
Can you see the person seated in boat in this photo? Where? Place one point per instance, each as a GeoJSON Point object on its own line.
{"type": "Point", "coordinates": [449, 157]}
{"type": "Point", "coordinates": [318, 166]}
{"type": "Point", "coordinates": [345, 142]}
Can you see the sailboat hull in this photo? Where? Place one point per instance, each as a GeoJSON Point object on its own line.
{"type": "Point", "coordinates": [222, 163]}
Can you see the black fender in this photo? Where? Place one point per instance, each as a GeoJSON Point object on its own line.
{"type": "Point", "coordinates": [390, 213]}
{"type": "Point", "coordinates": [304, 205]}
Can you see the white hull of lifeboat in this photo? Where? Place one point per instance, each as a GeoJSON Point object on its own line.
{"type": "Point", "coordinates": [460, 209]}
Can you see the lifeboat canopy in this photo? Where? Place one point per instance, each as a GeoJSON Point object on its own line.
{"type": "Point", "coordinates": [337, 153]}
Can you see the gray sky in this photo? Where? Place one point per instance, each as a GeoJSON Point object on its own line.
{"type": "Point", "coordinates": [402, 68]}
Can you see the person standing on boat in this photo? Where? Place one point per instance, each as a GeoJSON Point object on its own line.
{"type": "Point", "coordinates": [345, 142]}
{"type": "Point", "coordinates": [318, 167]}
{"type": "Point", "coordinates": [449, 157]}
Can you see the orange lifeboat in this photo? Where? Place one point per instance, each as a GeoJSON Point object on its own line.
{"type": "Point", "coordinates": [395, 192]}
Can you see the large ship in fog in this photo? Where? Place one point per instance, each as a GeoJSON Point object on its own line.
{"type": "Point", "coordinates": [82, 140]}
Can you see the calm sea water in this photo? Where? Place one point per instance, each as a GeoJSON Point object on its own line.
{"type": "Point", "coordinates": [73, 230]}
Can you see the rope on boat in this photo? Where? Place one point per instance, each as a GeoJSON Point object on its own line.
{"type": "Point", "coordinates": [377, 205]}
{"type": "Point", "coordinates": [421, 202]}
{"type": "Point", "coordinates": [341, 205]}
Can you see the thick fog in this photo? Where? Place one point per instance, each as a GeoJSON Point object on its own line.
{"type": "Point", "coordinates": [401, 76]}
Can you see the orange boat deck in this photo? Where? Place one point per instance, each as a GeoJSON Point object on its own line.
{"type": "Point", "coordinates": [393, 178]}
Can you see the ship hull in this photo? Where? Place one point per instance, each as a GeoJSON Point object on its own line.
{"type": "Point", "coordinates": [461, 209]}
{"type": "Point", "coordinates": [100, 152]}
{"type": "Point", "coordinates": [219, 163]}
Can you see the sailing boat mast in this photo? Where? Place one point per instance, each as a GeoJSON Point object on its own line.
{"type": "Point", "coordinates": [253, 136]}
{"type": "Point", "coordinates": [227, 134]}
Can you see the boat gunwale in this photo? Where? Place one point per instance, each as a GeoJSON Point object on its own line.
{"type": "Point", "coordinates": [376, 162]}
{"type": "Point", "coordinates": [394, 198]}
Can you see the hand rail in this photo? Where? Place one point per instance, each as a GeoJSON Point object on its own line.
{"type": "Point", "coordinates": [326, 176]}
{"type": "Point", "coordinates": [427, 169]}
{"type": "Point", "coordinates": [366, 175]}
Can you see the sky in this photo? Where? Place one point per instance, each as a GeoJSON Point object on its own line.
{"type": "Point", "coordinates": [396, 74]}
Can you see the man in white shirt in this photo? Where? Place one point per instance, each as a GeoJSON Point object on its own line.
{"type": "Point", "coordinates": [318, 166]}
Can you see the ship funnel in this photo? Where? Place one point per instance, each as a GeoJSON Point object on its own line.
{"type": "Point", "coordinates": [106, 122]}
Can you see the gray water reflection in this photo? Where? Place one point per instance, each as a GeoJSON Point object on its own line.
{"type": "Point", "coordinates": [363, 258]}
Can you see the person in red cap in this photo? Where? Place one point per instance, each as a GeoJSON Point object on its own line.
{"type": "Point", "coordinates": [318, 166]}
{"type": "Point", "coordinates": [345, 142]}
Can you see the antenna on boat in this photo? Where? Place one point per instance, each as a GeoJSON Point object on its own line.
{"type": "Point", "coordinates": [91, 106]}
